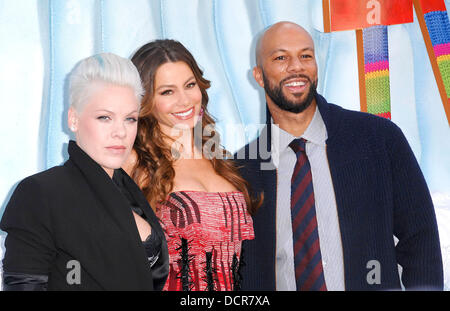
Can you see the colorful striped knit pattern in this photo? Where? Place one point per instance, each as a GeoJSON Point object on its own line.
{"type": "Point", "coordinates": [376, 65]}
{"type": "Point", "coordinates": [438, 26]}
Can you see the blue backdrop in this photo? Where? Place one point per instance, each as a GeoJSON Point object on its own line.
{"type": "Point", "coordinates": [41, 40]}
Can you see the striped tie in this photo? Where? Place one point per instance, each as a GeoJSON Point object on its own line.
{"type": "Point", "coordinates": [307, 258]}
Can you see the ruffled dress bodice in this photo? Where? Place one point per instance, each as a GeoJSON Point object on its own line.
{"type": "Point", "coordinates": [204, 231]}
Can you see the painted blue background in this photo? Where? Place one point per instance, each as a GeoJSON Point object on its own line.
{"type": "Point", "coordinates": [41, 40]}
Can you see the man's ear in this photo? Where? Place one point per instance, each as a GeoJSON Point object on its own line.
{"type": "Point", "coordinates": [258, 75]}
{"type": "Point", "coordinates": [72, 119]}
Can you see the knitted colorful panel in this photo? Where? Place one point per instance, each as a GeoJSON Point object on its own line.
{"type": "Point", "coordinates": [438, 26]}
{"type": "Point", "coordinates": [376, 60]}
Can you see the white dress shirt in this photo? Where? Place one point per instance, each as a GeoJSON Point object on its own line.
{"type": "Point", "coordinates": [284, 159]}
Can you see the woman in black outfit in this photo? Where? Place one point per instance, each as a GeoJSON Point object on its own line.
{"type": "Point", "coordinates": [85, 225]}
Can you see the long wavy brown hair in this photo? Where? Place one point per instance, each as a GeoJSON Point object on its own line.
{"type": "Point", "coordinates": [153, 170]}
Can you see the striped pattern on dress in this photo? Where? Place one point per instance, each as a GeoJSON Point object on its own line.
{"type": "Point", "coordinates": [212, 226]}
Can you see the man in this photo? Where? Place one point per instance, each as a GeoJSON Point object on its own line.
{"type": "Point", "coordinates": [338, 186]}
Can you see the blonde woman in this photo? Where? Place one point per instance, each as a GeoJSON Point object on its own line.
{"type": "Point", "coordinates": [85, 225]}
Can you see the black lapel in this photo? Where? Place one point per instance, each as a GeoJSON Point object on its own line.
{"type": "Point", "coordinates": [330, 116]}
{"type": "Point", "coordinates": [115, 204]}
{"type": "Point", "coordinates": [141, 201]}
{"type": "Point", "coordinates": [267, 217]}
{"type": "Point", "coordinates": [103, 187]}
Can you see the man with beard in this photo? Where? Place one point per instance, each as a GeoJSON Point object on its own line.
{"type": "Point", "coordinates": [338, 186]}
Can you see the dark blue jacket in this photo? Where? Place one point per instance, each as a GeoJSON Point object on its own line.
{"type": "Point", "coordinates": [380, 193]}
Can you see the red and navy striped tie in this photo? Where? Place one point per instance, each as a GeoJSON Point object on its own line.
{"type": "Point", "coordinates": [307, 258]}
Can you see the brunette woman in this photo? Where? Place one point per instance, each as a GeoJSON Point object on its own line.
{"type": "Point", "coordinates": [200, 198]}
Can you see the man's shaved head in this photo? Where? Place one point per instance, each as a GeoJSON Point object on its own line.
{"type": "Point", "coordinates": [286, 67]}
{"type": "Point", "coordinates": [272, 31]}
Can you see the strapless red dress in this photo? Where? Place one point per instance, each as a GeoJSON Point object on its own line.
{"type": "Point", "coordinates": [204, 232]}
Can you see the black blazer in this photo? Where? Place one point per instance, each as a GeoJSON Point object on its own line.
{"type": "Point", "coordinates": [76, 212]}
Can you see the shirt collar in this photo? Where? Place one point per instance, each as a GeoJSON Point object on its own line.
{"type": "Point", "coordinates": [316, 133]}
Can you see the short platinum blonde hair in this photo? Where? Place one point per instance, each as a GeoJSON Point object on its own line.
{"type": "Point", "coordinates": [99, 69]}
